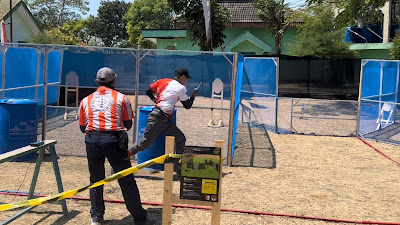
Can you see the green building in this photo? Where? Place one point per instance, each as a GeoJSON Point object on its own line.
{"type": "Point", "coordinates": [245, 34]}
{"type": "Point", "coordinates": [248, 35]}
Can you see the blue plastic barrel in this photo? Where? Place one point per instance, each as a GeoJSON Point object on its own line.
{"type": "Point", "coordinates": [18, 125]}
{"type": "Point", "coordinates": [347, 37]}
{"type": "Point", "coordinates": [350, 35]}
{"type": "Point", "coordinates": [371, 36]}
{"type": "Point", "coordinates": [157, 148]}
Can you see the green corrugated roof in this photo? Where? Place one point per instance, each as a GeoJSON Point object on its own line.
{"type": "Point", "coordinates": [371, 46]}
{"type": "Point", "coordinates": [163, 33]}
{"type": "Point", "coordinates": [5, 6]}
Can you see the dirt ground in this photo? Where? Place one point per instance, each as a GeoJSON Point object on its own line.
{"type": "Point", "coordinates": [326, 177]}
{"type": "Point", "coordinates": [297, 179]}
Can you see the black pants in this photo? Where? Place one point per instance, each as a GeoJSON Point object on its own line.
{"type": "Point", "coordinates": [157, 123]}
{"type": "Point", "coordinates": [101, 145]}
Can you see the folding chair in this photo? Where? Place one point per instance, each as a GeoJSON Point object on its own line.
{"type": "Point", "coordinates": [388, 108]}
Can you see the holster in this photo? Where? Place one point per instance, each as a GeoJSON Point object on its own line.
{"type": "Point", "coordinates": [123, 141]}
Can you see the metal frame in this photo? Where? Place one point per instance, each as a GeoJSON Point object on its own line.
{"type": "Point", "coordinates": [49, 145]}
{"type": "Point", "coordinates": [138, 54]}
{"type": "Point", "coordinates": [276, 62]}
{"type": "Point", "coordinates": [379, 101]}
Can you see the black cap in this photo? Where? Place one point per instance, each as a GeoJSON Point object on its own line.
{"type": "Point", "coordinates": [182, 72]}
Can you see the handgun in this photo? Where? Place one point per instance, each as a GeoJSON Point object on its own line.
{"type": "Point", "coordinates": [197, 88]}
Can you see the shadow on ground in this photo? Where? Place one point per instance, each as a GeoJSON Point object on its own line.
{"type": "Point", "coordinates": [253, 148]}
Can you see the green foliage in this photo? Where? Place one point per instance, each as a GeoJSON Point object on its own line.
{"type": "Point", "coordinates": [318, 35]}
{"type": "Point", "coordinates": [351, 11]}
{"type": "Point", "coordinates": [70, 33]}
{"type": "Point", "coordinates": [147, 14]}
{"type": "Point", "coordinates": [53, 13]}
{"type": "Point", "coordinates": [43, 38]}
{"type": "Point", "coordinates": [109, 25]}
{"type": "Point", "coordinates": [275, 14]}
{"type": "Point", "coordinates": [395, 49]}
{"type": "Point", "coordinates": [191, 12]}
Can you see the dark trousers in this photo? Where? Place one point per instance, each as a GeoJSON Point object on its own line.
{"type": "Point", "coordinates": [101, 145]}
{"type": "Point", "coordinates": [157, 123]}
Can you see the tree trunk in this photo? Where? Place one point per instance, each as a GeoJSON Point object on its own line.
{"type": "Point", "coordinates": [278, 43]}
{"type": "Point", "coordinates": [60, 17]}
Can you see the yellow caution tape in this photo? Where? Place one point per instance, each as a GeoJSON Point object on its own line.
{"type": "Point", "coordinates": [70, 193]}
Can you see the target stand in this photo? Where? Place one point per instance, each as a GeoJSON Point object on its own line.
{"type": "Point", "coordinates": [217, 93]}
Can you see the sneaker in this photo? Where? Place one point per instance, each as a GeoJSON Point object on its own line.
{"type": "Point", "coordinates": [96, 222]}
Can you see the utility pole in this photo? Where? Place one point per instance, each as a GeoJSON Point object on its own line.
{"type": "Point", "coordinates": [11, 23]}
{"type": "Point", "coordinates": [387, 21]}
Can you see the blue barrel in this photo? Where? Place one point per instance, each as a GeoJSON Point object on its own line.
{"type": "Point", "coordinates": [371, 36]}
{"type": "Point", "coordinates": [18, 125]}
{"type": "Point", "coordinates": [347, 37]}
{"type": "Point", "coordinates": [350, 35]}
{"type": "Point", "coordinates": [157, 148]}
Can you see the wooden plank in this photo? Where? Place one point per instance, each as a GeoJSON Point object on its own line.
{"type": "Point", "coordinates": [8, 156]}
{"type": "Point", "coordinates": [168, 181]}
{"type": "Point", "coordinates": [48, 144]}
{"type": "Point", "coordinates": [216, 208]}
{"type": "Point", "coordinates": [232, 108]}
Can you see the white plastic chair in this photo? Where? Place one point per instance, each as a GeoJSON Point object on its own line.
{"type": "Point", "coordinates": [387, 108]}
{"type": "Point", "coordinates": [71, 85]}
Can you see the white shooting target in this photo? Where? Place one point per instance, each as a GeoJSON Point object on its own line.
{"type": "Point", "coordinates": [217, 85]}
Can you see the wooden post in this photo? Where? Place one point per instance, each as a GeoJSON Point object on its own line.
{"type": "Point", "coordinates": [216, 207]}
{"type": "Point", "coordinates": [169, 198]}
{"type": "Point", "coordinates": [168, 181]}
{"type": "Point", "coordinates": [232, 109]}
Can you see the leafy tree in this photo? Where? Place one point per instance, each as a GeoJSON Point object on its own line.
{"type": "Point", "coordinates": [318, 36]}
{"type": "Point", "coordinates": [274, 13]}
{"type": "Point", "coordinates": [395, 49]}
{"type": "Point", "coordinates": [65, 34]}
{"type": "Point", "coordinates": [43, 38]}
{"type": "Point", "coordinates": [351, 11]}
{"type": "Point", "coordinates": [109, 25]}
{"type": "Point", "coordinates": [191, 12]}
{"type": "Point", "coordinates": [147, 14]}
{"type": "Point", "coordinates": [53, 13]}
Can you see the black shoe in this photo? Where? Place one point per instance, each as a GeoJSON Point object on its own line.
{"type": "Point", "coordinates": [141, 222]}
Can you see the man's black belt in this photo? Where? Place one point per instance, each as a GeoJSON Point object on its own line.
{"type": "Point", "coordinates": [159, 110]}
{"type": "Point", "coordinates": [98, 132]}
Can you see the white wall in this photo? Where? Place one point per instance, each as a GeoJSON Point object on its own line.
{"type": "Point", "coordinates": [23, 26]}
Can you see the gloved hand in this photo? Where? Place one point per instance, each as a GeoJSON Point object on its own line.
{"type": "Point", "coordinates": [129, 155]}
{"type": "Point", "coordinates": [131, 151]}
{"type": "Point", "coordinates": [195, 92]}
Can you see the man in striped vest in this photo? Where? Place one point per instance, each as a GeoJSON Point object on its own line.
{"type": "Point", "coordinates": [105, 116]}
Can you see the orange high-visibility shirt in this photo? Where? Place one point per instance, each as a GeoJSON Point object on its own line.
{"type": "Point", "coordinates": [104, 110]}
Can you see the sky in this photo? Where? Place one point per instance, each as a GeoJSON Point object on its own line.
{"type": "Point", "coordinates": [94, 5]}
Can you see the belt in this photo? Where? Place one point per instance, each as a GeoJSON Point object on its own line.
{"type": "Point", "coordinates": [159, 110]}
{"type": "Point", "coordinates": [97, 132]}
